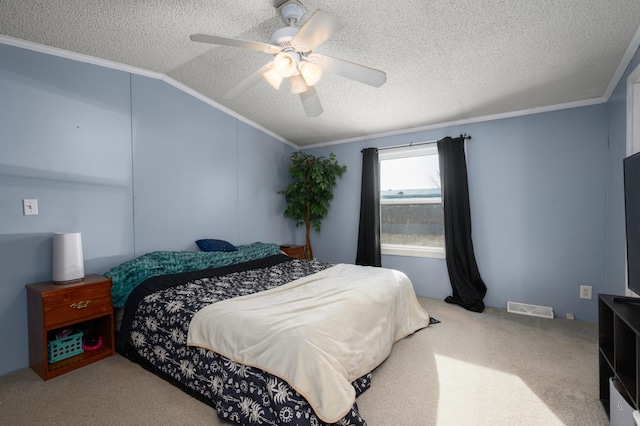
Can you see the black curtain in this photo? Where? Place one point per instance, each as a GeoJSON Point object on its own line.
{"type": "Point", "coordinates": [369, 231]}
{"type": "Point", "coordinates": [468, 287]}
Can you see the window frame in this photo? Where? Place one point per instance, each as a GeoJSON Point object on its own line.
{"type": "Point", "coordinates": [417, 150]}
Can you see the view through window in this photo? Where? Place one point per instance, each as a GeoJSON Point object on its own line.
{"type": "Point", "coordinates": [412, 219]}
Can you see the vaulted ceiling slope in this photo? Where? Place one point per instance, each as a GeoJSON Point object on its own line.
{"type": "Point", "coordinates": [445, 60]}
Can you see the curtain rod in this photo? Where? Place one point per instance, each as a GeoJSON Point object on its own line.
{"type": "Point", "coordinates": [465, 136]}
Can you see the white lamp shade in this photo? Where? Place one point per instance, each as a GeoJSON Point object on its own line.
{"type": "Point", "coordinates": [285, 64]}
{"type": "Point", "coordinates": [68, 262]}
{"type": "Point", "coordinates": [298, 85]}
{"type": "Point", "coordinates": [310, 72]}
{"type": "Point", "coordinates": [273, 78]}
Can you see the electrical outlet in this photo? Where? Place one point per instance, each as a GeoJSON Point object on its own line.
{"type": "Point", "coordinates": [585, 292]}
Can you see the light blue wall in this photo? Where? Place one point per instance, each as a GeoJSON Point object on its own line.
{"type": "Point", "coordinates": [537, 190]}
{"type": "Point", "coordinates": [263, 170]}
{"type": "Point", "coordinates": [131, 162]}
{"type": "Point", "coordinates": [137, 165]}
{"type": "Point", "coordinates": [200, 174]}
{"type": "Point", "coordinates": [616, 240]}
{"type": "Point", "coordinates": [65, 140]}
{"type": "Point", "coordinates": [185, 169]}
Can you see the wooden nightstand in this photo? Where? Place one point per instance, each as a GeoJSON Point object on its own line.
{"type": "Point", "coordinates": [293, 251]}
{"type": "Point", "coordinates": [83, 305]}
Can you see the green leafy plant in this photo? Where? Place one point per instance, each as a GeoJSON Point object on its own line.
{"type": "Point", "coordinates": [309, 195]}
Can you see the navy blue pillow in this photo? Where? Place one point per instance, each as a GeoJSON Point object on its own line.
{"type": "Point", "coordinates": [215, 245]}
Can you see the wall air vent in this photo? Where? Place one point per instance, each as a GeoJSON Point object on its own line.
{"type": "Point", "coordinates": [533, 310]}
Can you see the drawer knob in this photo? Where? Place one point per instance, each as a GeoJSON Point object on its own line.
{"type": "Point", "coordinates": [81, 305]}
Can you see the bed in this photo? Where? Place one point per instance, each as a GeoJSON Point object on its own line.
{"type": "Point", "coordinates": [260, 336]}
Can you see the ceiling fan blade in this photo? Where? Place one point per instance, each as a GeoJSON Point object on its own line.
{"type": "Point", "coordinates": [350, 70]}
{"type": "Point", "coordinates": [318, 28]}
{"type": "Point", "coordinates": [311, 102]}
{"type": "Point", "coordinates": [248, 82]}
{"type": "Point", "coordinates": [253, 45]}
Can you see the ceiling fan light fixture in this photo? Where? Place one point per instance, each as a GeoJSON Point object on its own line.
{"type": "Point", "coordinates": [273, 77]}
{"type": "Point", "coordinates": [292, 49]}
{"type": "Point", "coordinates": [310, 72]}
{"type": "Point", "coordinates": [285, 64]}
{"type": "Point", "coordinates": [298, 85]}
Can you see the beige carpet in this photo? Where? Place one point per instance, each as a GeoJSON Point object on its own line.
{"type": "Point", "coordinates": [493, 368]}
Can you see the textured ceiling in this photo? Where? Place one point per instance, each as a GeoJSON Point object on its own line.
{"type": "Point", "coordinates": [446, 60]}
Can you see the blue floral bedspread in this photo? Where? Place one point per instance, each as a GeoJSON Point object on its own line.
{"type": "Point", "coordinates": [154, 333]}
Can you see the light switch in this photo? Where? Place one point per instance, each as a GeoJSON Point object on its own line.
{"type": "Point", "coordinates": [30, 207]}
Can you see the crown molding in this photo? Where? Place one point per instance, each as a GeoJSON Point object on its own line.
{"type": "Point", "coordinates": [55, 51]}
{"type": "Point", "coordinates": [629, 53]}
{"type": "Point", "coordinates": [624, 63]}
{"type": "Point", "coordinates": [613, 82]}
{"type": "Point", "coordinates": [492, 117]}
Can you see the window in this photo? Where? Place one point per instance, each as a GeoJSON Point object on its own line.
{"type": "Point", "coordinates": [411, 215]}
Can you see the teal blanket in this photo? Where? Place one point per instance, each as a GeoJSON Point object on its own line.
{"type": "Point", "coordinates": [126, 276]}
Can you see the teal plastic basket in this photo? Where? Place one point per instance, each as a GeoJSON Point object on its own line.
{"type": "Point", "coordinates": [66, 347]}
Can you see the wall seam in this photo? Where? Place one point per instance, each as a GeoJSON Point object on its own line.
{"type": "Point", "coordinates": [133, 178]}
{"type": "Point", "coordinates": [607, 212]}
{"type": "Point", "coordinates": [238, 176]}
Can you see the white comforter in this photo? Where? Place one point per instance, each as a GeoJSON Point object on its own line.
{"type": "Point", "coordinates": [319, 333]}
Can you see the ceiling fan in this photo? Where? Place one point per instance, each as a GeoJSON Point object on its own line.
{"type": "Point", "coordinates": [293, 57]}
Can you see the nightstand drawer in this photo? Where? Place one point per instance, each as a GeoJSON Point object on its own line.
{"type": "Point", "coordinates": [65, 306]}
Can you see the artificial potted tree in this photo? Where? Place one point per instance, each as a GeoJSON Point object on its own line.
{"type": "Point", "coordinates": [309, 195]}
